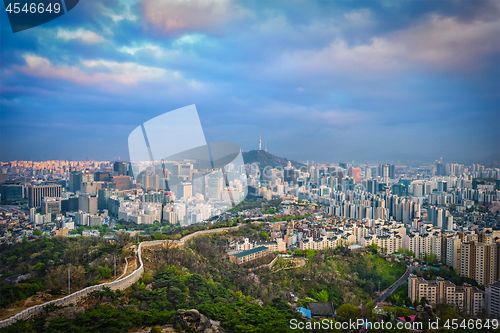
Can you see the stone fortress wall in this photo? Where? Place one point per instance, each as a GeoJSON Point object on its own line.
{"type": "Point", "coordinates": [121, 283]}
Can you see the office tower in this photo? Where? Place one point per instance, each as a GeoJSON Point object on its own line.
{"type": "Point", "coordinates": [442, 186]}
{"type": "Point", "coordinates": [51, 206]}
{"type": "Point", "coordinates": [440, 169]}
{"type": "Point", "coordinates": [372, 186]}
{"type": "Point", "coordinates": [215, 185]}
{"type": "Point", "coordinates": [36, 193]}
{"type": "Point", "coordinates": [399, 190]}
{"type": "Point", "coordinates": [3, 177]}
{"type": "Point", "coordinates": [151, 181]}
{"type": "Point", "coordinates": [122, 182]}
{"type": "Point", "coordinates": [384, 173]}
{"type": "Point", "coordinates": [90, 187]}
{"type": "Point", "coordinates": [185, 190]}
{"type": "Point", "coordinates": [120, 168]}
{"type": "Point", "coordinates": [356, 174]}
{"type": "Point", "coordinates": [103, 196]}
{"type": "Point", "coordinates": [88, 203]}
{"type": "Point", "coordinates": [198, 184]}
{"type": "Point", "coordinates": [418, 190]}
{"type": "Point", "coordinates": [332, 183]}
{"type": "Point", "coordinates": [101, 176]}
{"type": "Point", "coordinates": [392, 172]}
{"type": "Point", "coordinates": [186, 168]}
{"type": "Point", "coordinates": [32, 214]}
{"type": "Point", "coordinates": [11, 193]}
{"type": "Point", "coordinates": [75, 179]}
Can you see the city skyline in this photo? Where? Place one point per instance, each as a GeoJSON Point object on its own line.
{"type": "Point", "coordinates": [327, 82]}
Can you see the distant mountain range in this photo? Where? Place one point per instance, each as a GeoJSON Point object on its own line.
{"type": "Point", "coordinates": [264, 159]}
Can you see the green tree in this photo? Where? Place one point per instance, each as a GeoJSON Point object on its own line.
{"type": "Point", "coordinates": [349, 311]}
{"type": "Point", "coordinates": [322, 296]}
{"type": "Point", "coordinates": [104, 272]}
{"type": "Point", "coordinates": [369, 309]}
{"type": "Point", "coordinates": [37, 232]}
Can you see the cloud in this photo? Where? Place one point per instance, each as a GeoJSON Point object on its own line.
{"type": "Point", "coordinates": [188, 39]}
{"type": "Point", "coordinates": [179, 16]}
{"type": "Point", "coordinates": [117, 16]}
{"type": "Point", "coordinates": [361, 17]}
{"type": "Point", "coordinates": [314, 115]}
{"type": "Point", "coordinates": [438, 43]}
{"type": "Point", "coordinates": [128, 73]}
{"type": "Point", "coordinates": [85, 36]}
{"type": "Point", "coordinates": [337, 117]}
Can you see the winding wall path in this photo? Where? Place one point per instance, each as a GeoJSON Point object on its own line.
{"type": "Point", "coordinates": [120, 283]}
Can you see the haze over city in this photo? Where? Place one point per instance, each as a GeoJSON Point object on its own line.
{"type": "Point", "coordinates": [338, 81]}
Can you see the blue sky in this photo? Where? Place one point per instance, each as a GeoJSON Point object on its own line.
{"type": "Point", "coordinates": [326, 81]}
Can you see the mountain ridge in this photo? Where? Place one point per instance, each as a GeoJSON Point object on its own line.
{"type": "Point", "coordinates": [263, 159]}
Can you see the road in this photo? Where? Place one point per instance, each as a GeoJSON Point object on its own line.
{"type": "Point", "coordinates": [395, 286]}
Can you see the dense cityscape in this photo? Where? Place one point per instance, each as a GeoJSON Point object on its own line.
{"type": "Point", "coordinates": [440, 215]}
{"type": "Point", "coordinates": [187, 166]}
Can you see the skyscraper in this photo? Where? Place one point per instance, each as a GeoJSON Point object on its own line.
{"type": "Point", "coordinates": [122, 182]}
{"type": "Point", "coordinates": [36, 193]}
{"type": "Point", "coordinates": [120, 168]}
{"type": "Point", "coordinates": [440, 169]}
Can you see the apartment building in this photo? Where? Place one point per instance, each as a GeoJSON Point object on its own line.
{"type": "Point", "coordinates": [392, 243]}
{"type": "Point", "coordinates": [480, 261]}
{"type": "Point", "coordinates": [422, 244]}
{"type": "Point", "coordinates": [453, 248]}
{"type": "Point", "coordinates": [278, 245]}
{"type": "Point", "coordinates": [323, 243]}
{"type": "Point", "coordinates": [249, 255]}
{"type": "Point", "coordinates": [492, 292]}
{"type": "Point", "coordinates": [467, 298]}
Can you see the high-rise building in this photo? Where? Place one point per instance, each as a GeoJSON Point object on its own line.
{"type": "Point", "coordinates": [479, 261]}
{"type": "Point", "coordinates": [215, 185]}
{"type": "Point", "coordinates": [122, 182]}
{"type": "Point", "coordinates": [469, 299]}
{"type": "Point", "coordinates": [76, 178]}
{"type": "Point", "coordinates": [440, 169]}
{"type": "Point", "coordinates": [442, 186]}
{"type": "Point", "coordinates": [11, 193]}
{"type": "Point", "coordinates": [185, 190]}
{"type": "Point", "coordinates": [492, 292]}
{"type": "Point", "coordinates": [36, 193]}
{"type": "Point", "coordinates": [3, 177]}
{"type": "Point", "coordinates": [392, 172]}
{"type": "Point", "coordinates": [101, 176]}
{"type": "Point", "coordinates": [453, 246]}
{"type": "Point", "coordinates": [120, 168]}
{"type": "Point", "coordinates": [51, 206]}
{"type": "Point", "coordinates": [372, 186]}
{"type": "Point", "coordinates": [103, 196]}
{"type": "Point", "coordinates": [32, 214]}
{"type": "Point", "coordinates": [88, 203]}
{"type": "Point", "coordinates": [198, 184]}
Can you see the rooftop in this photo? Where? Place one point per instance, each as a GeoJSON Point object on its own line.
{"type": "Point", "coordinates": [248, 252]}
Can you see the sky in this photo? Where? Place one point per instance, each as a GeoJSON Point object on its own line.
{"type": "Point", "coordinates": [324, 81]}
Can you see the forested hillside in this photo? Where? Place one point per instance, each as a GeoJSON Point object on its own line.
{"type": "Point", "coordinates": [200, 277]}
